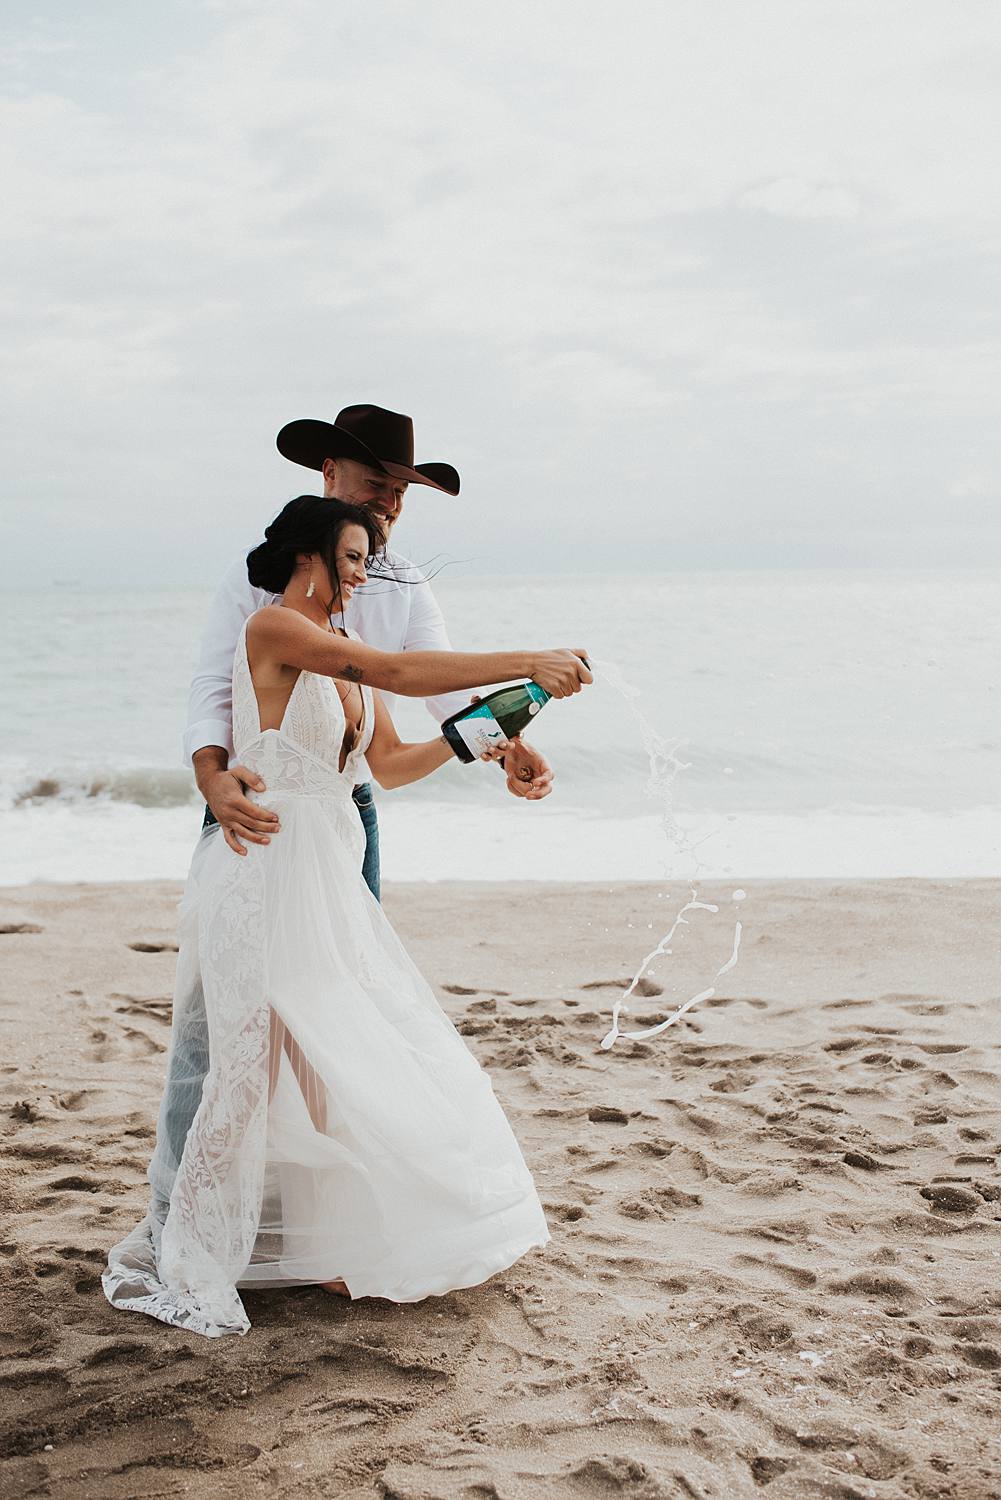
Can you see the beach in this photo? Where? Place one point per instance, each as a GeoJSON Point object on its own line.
{"type": "Point", "coordinates": [776, 1227]}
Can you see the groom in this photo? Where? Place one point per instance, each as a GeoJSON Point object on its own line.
{"type": "Point", "coordinates": [366, 457]}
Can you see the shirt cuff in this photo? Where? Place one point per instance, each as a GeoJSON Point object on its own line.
{"type": "Point", "coordinates": [207, 732]}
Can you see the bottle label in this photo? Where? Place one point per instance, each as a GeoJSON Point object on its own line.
{"type": "Point", "coordinates": [479, 730]}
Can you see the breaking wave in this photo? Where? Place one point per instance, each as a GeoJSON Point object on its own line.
{"type": "Point", "coordinates": [145, 786]}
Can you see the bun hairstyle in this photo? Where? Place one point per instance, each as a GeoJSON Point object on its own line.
{"type": "Point", "coordinates": [309, 523]}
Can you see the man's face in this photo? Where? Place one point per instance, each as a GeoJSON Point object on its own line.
{"type": "Point", "coordinates": [357, 484]}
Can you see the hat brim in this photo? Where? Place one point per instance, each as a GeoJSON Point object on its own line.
{"type": "Point", "coordinates": [310, 443]}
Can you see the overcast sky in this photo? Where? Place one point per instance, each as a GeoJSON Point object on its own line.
{"type": "Point", "coordinates": [673, 283]}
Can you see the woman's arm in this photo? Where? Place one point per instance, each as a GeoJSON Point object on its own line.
{"type": "Point", "coordinates": [288, 637]}
{"type": "Point", "coordinates": [394, 763]}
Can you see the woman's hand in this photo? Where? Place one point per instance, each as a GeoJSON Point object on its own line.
{"type": "Point", "coordinates": [561, 673]}
{"type": "Point", "coordinates": [497, 751]}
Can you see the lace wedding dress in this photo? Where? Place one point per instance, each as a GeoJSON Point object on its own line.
{"type": "Point", "coordinates": [344, 1130]}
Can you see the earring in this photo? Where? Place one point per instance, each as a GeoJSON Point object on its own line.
{"type": "Point", "coordinates": [312, 588]}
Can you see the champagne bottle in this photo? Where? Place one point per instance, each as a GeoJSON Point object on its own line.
{"type": "Point", "coordinates": [498, 716]}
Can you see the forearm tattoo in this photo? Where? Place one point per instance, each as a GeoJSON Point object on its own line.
{"type": "Point", "coordinates": [352, 673]}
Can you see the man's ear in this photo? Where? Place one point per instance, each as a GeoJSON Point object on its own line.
{"type": "Point", "coordinates": [329, 471]}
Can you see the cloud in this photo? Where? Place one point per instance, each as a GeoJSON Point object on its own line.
{"type": "Point", "coordinates": [792, 198]}
{"type": "Point", "coordinates": [702, 249]}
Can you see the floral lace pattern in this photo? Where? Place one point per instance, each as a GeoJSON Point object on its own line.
{"type": "Point", "coordinates": [215, 1206]}
{"type": "Point", "coordinates": [313, 727]}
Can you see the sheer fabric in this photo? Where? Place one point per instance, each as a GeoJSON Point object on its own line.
{"type": "Point", "coordinates": [344, 1130]}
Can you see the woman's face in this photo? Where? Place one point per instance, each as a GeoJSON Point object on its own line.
{"type": "Point", "coordinates": [350, 555]}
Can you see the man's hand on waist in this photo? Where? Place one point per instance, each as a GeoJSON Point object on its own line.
{"type": "Point", "coordinates": [224, 789]}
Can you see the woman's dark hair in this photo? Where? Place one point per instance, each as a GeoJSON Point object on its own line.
{"type": "Point", "coordinates": [309, 523]}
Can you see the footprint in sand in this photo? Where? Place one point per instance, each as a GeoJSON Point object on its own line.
{"type": "Point", "coordinates": [862, 1161]}
{"type": "Point", "coordinates": [153, 947]}
{"type": "Point", "coordinates": [129, 1043]}
{"type": "Point", "coordinates": [645, 988]}
{"type": "Point", "coordinates": [76, 1253]}
{"type": "Point", "coordinates": [476, 1025]}
{"type": "Point", "coordinates": [10, 929]}
{"type": "Point", "coordinates": [512, 1056]}
{"type": "Point", "coordinates": [75, 1184]}
{"type": "Point", "coordinates": [605, 1164]}
{"type": "Point", "coordinates": [657, 1149]}
{"type": "Point", "coordinates": [114, 1350]}
{"type": "Point", "coordinates": [153, 1010]}
{"type": "Point", "coordinates": [74, 1101]}
{"type": "Point", "coordinates": [874, 1284]}
{"type": "Point", "coordinates": [733, 1083]}
{"type": "Point", "coordinates": [915, 1005]}
{"type": "Point", "coordinates": [715, 1001]}
{"type": "Point", "coordinates": [949, 1199]}
{"type": "Point", "coordinates": [607, 1114]}
{"type": "Point", "coordinates": [980, 1356]}
{"type": "Point", "coordinates": [566, 1213]}
{"type": "Point", "coordinates": [778, 1269]}
{"type": "Point", "coordinates": [703, 1123]}
{"type": "Point", "coordinates": [659, 1203]}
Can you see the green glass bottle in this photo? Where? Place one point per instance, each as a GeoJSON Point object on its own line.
{"type": "Point", "coordinates": [498, 716]}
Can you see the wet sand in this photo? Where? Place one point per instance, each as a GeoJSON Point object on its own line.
{"type": "Point", "coordinates": [776, 1258]}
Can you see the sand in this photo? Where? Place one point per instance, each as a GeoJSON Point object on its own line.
{"type": "Point", "coordinates": [776, 1228]}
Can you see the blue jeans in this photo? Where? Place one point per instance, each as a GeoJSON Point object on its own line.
{"type": "Point", "coordinates": [365, 803]}
{"type": "Point", "coordinates": [189, 1052]}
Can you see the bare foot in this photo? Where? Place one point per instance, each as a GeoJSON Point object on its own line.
{"type": "Point", "coordinates": [338, 1288]}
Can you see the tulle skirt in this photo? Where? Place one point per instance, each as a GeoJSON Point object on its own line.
{"type": "Point", "coordinates": [344, 1131]}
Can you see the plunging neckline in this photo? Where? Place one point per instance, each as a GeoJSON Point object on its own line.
{"type": "Point", "coordinates": [344, 755]}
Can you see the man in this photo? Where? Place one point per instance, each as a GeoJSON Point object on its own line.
{"type": "Point", "coordinates": [366, 457]}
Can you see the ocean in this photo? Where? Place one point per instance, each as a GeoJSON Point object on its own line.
{"type": "Point", "coordinates": [831, 724]}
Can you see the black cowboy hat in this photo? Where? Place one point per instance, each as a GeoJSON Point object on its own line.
{"type": "Point", "coordinates": [370, 435]}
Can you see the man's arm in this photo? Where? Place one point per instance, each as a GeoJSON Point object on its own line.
{"type": "Point", "coordinates": [210, 697]}
{"type": "Point", "coordinates": [208, 737]}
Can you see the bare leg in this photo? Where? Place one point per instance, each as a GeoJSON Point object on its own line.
{"type": "Point", "coordinates": [313, 1092]}
{"type": "Point", "coordinates": [313, 1089]}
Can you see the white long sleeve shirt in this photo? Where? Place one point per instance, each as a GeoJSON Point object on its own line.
{"type": "Point", "coordinates": [395, 611]}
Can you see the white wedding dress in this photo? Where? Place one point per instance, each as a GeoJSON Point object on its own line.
{"type": "Point", "coordinates": [344, 1132]}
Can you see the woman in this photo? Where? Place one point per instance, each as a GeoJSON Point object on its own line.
{"type": "Point", "coordinates": [345, 1136]}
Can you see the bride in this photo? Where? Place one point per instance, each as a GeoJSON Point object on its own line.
{"type": "Point", "coordinates": [345, 1135]}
